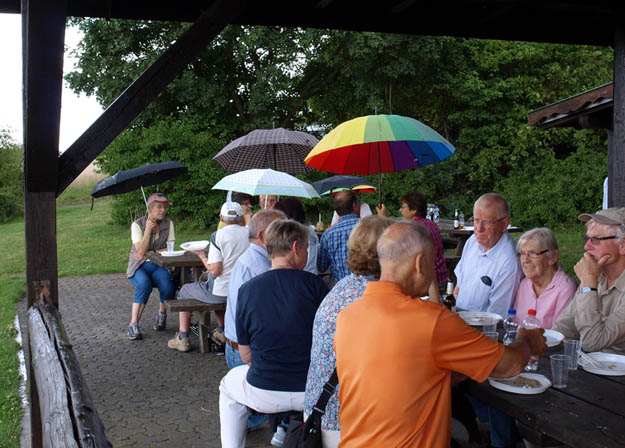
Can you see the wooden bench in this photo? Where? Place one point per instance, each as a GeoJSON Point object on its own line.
{"type": "Point", "coordinates": [203, 310]}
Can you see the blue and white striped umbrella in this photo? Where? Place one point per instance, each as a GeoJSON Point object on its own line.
{"type": "Point", "coordinates": [267, 181]}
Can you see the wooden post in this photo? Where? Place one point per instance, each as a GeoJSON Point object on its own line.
{"type": "Point", "coordinates": [43, 35]}
{"type": "Point", "coordinates": [616, 144]}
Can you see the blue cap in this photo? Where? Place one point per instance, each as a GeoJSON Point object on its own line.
{"type": "Point", "coordinates": [511, 311]}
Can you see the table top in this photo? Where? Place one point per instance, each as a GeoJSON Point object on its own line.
{"type": "Point", "coordinates": [447, 226]}
{"type": "Point", "coordinates": [185, 260]}
{"type": "Point", "coordinates": [589, 412]}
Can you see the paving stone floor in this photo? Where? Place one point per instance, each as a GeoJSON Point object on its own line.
{"type": "Point", "coordinates": [147, 395]}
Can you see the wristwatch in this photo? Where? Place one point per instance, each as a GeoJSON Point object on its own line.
{"type": "Point", "coordinates": [588, 289]}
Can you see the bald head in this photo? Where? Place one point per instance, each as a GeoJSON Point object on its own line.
{"type": "Point", "coordinates": [261, 220]}
{"type": "Point", "coordinates": [406, 253]}
{"type": "Point", "coordinates": [495, 201]}
{"type": "Point", "coordinates": [346, 202]}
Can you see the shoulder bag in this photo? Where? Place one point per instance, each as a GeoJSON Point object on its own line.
{"type": "Point", "coordinates": [307, 434]}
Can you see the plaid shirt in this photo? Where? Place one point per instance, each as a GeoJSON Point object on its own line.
{"type": "Point", "coordinates": [440, 267]}
{"type": "Point", "coordinates": [333, 247]}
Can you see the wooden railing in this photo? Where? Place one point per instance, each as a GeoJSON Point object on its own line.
{"type": "Point", "coordinates": [62, 410]}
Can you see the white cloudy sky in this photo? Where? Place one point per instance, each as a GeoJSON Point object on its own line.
{"type": "Point", "coordinates": [77, 113]}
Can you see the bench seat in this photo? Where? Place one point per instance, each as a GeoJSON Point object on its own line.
{"type": "Point", "coordinates": [203, 310]}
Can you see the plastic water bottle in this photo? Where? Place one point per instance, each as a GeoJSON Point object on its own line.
{"type": "Point", "coordinates": [529, 323]}
{"type": "Point", "coordinates": [511, 327]}
{"type": "Point", "coordinates": [430, 213]}
{"type": "Point", "coordinates": [436, 213]}
{"type": "Point", "coordinates": [456, 221]}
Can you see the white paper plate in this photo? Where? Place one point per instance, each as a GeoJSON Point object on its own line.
{"type": "Point", "coordinates": [553, 337]}
{"type": "Point", "coordinates": [613, 365]}
{"type": "Point", "coordinates": [173, 253]}
{"type": "Point", "coordinates": [478, 318]}
{"type": "Point", "coordinates": [195, 245]}
{"type": "Point", "coordinates": [511, 384]}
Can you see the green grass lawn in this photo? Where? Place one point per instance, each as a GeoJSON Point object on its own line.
{"type": "Point", "coordinates": [11, 291]}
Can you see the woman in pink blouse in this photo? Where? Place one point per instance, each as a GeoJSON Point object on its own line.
{"type": "Point", "coordinates": [545, 288]}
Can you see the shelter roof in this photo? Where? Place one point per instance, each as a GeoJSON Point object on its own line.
{"type": "Point", "coordinates": [558, 21]}
{"type": "Point", "coordinates": [590, 109]}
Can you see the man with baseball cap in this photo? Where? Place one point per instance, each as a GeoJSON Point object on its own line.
{"type": "Point", "coordinates": [150, 233]}
{"type": "Point", "coordinates": [225, 248]}
{"type": "Point", "coordinates": [596, 316]}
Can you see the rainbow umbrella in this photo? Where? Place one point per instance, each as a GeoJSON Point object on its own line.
{"type": "Point", "coordinates": [377, 144]}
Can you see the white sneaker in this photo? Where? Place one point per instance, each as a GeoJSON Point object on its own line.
{"type": "Point", "coordinates": [278, 437]}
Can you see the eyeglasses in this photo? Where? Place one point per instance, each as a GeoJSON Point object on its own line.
{"type": "Point", "coordinates": [486, 222]}
{"type": "Point", "coordinates": [403, 206]}
{"type": "Point", "coordinates": [532, 255]}
{"type": "Point", "coordinates": [597, 239]}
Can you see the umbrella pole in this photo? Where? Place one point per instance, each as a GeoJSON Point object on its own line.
{"type": "Point", "coordinates": [144, 199]}
{"type": "Point", "coordinates": [379, 176]}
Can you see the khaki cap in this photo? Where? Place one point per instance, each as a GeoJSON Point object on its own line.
{"type": "Point", "coordinates": [613, 216]}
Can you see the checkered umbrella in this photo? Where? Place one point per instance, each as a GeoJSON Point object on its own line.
{"type": "Point", "coordinates": [278, 149]}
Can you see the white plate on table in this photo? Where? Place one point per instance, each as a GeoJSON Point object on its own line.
{"type": "Point", "coordinates": [195, 245]}
{"type": "Point", "coordinates": [478, 318]}
{"type": "Point", "coordinates": [524, 384]}
{"type": "Point", "coordinates": [613, 365]}
{"type": "Point", "coordinates": [553, 337]}
{"type": "Point", "coordinates": [173, 253]}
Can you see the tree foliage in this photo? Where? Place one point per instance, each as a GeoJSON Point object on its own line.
{"type": "Point", "coordinates": [11, 178]}
{"type": "Point", "coordinates": [477, 93]}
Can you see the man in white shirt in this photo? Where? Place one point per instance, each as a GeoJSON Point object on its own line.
{"type": "Point", "coordinates": [228, 245]}
{"type": "Point", "coordinates": [489, 271]}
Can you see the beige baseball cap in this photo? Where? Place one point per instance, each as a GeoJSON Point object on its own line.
{"type": "Point", "coordinates": [613, 216]}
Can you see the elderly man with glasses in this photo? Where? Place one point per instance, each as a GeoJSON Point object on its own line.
{"type": "Point", "coordinates": [596, 316]}
{"type": "Point", "coordinates": [489, 271]}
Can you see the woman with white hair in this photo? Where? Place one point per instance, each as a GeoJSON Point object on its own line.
{"type": "Point", "coordinates": [545, 288]}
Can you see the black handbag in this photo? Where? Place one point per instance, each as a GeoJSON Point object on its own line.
{"type": "Point", "coordinates": [307, 434]}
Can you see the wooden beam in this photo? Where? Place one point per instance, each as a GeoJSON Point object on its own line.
{"type": "Point", "coordinates": [56, 424]}
{"type": "Point", "coordinates": [86, 420]}
{"type": "Point", "coordinates": [616, 150]}
{"type": "Point", "coordinates": [144, 90]}
{"type": "Point", "coordinates": [43, 35]}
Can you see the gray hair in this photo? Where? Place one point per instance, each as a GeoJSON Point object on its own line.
{"type": "Point", "coordinates": [282, 233]}
{"type": "Point", "coordinates": [620, 229]}
{"type": "Point", "coordinates": [543, 236]}
{"type": "Point", "coordinates": [502, 204]}
{"type": "Point", "coordinates": [413, 238]}
{"type": "Point", "coordinates": [261, 220]}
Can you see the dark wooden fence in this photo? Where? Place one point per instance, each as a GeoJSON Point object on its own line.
{"type": "Point", "coordinates": [62, 410]}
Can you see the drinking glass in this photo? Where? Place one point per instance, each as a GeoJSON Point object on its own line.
{"type": "Point", "coordinates": [571, 349]}
{"type": "Point", "coordinates": [492, 334]}
{"type": "Point", "coordinates": [559, 370]}
{"type": "Point", "coordinates": [170, 246]}
{"type": "Point", "coordinates": [489, 324]}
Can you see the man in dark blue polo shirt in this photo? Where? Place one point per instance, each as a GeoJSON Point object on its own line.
{"type": "Point", "coordinates": [274, 318]}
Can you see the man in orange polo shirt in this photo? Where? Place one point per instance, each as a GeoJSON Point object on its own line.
{"type": "Point", "coordinates": [396, 391]}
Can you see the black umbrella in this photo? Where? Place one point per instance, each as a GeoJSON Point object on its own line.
{"type": "Point", "coordinates": [278, 149]}
{"type": "Point", "coordinates": [326, 186]}
{"type": "Point", "coordinates": [135, 178]}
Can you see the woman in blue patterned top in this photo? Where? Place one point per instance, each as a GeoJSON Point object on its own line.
{"type": "Point", "coordinates": [363, 263]}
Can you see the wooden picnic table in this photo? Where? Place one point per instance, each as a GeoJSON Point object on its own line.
{"type": "Point", "coordinates": [589, 412]}
{"type": "Point", "coordinates": [186, 261]}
